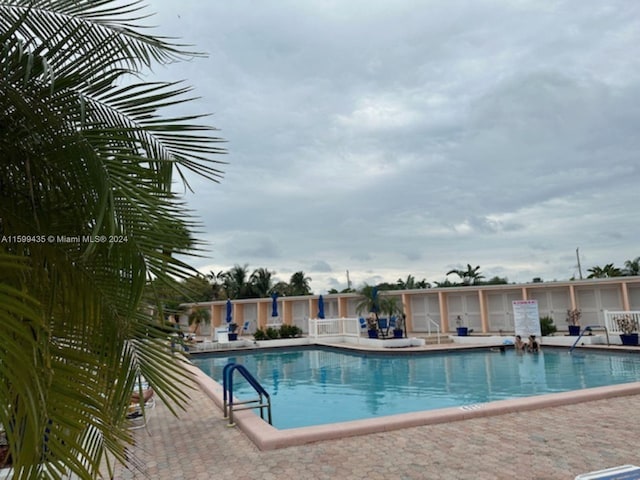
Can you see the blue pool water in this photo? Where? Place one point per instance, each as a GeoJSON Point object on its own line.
{"type": "Point", "coordinates": [319, 386]}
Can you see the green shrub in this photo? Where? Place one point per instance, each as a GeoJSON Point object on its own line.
{"type": "Point", "coordinates": [546, 326]}
{"type": "Point", "coordinates": [285, 331]}
{"type": "Point", "coordinates": [272, 333]}
{"type": "Point", "coordinates": [290, 331]}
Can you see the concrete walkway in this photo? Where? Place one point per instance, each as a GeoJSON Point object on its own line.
{"type": "Point", "coordinates": [553, 443]}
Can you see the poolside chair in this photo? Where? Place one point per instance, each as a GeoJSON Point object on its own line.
{"type": "Point", "coordinates": [363, 324]}
{"type": "Point", "coordinates": [139, 410]}
{"type": "Point", "coordinates": [245, 327]}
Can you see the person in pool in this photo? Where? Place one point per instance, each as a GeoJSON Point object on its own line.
{"type": "Point", "coordinates": [534, 346]}
{"type": "Point", "coordinates": [520, 345]}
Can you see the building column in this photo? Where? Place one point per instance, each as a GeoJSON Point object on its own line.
{"type": "Point", "coordinates": [444, 311]}
{"type": "Point", "coordinates": [406, 308]}
{"type": "Point", "coordinates": [572, 297]}
{"type": "Point", "coordinates": [342, 307]}
{"type": "Point", "coordinates": [484, 316]}
{"type": "Point", "coordinates": [286, 312]}
{"type": "Point", "coordinates": [626, 306]}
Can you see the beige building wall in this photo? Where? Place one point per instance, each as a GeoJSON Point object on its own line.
{"type": "Point", "coordinates": [484, 308]}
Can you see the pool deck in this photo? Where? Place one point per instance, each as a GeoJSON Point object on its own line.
{"type": "Point", "coordinates": [555, 442]}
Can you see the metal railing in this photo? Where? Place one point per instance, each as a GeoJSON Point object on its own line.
{"type": "Point", "coordinates": [263, 401]}
{"type": "Point", "coordinates": [590, 328]}
{"type": "Point", "coordinates": [431, 321]}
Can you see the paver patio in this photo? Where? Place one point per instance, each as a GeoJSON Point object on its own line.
{"type": "Point", "coordinates": [552, 443]}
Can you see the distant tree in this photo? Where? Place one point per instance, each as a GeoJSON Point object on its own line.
{"type": "Point", "coordinates": [369, 300]}
{"type": "Point", "coordinates": [197, 317]}
{"type": "Point", "coordinates": [391, 306]}
{"type": "Point", "coordinates": [344, 290]}
{"type": "Point", "coordinates": [445, 283]}
{"type": "Point", "coordinates": [607, 271]}
{"type": "Point", "coordinates": [632, 267]}
{"type": "Point", "coordinates": [386, 286]}
{"type": "Point", "coordinates": [411, 284]}
{"type": "Point", "coordinates": [470, 276]}
{"type": "Point", "coordinates": [299, 284]}
{"type": "Point", "coordinates": [196, 289]}
{"type": "Point", "coordinates": [216, 280]}
{"type": "Point", "coordinates": [496, 281]}
{"type": "Point", "coordinates": [408, 284]}
{"type": "Point", "coordinates": [261, 282]}
{"type": "Point", "coordinates": [281, 288]}
{"type": "Point", "coordinates": [236, 282]}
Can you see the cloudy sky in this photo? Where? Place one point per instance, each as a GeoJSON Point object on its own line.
{"type": "Point", "coordinates": [390, 138]}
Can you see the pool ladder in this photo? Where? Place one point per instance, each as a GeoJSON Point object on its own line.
{"type": "Point", "coordinates": [263, 401]}
{"type": "Point", "coordinates": [590, 328]}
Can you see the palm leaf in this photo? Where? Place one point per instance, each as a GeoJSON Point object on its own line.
{"type": "Point", "coordinates": [87, 152]}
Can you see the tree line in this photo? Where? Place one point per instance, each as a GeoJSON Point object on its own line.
{"type": "Point", "coordinates": [240, 283]}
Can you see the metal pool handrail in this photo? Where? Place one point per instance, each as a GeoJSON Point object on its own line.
{"type": "Point", "coordinates": [589, 328]}
{"type": "Point", "coordinates": [227, 393]}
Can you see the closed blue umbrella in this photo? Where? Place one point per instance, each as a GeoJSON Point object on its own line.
{"type": "Point", "coordinates": [229, 311]}
{"type": "Point", "coordinates": [274, 305]}
{"type": "Point", "coordinates": [320, 307]}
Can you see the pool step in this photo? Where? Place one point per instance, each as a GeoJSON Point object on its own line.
{"type": "Point", "coordinates": [433, 339]}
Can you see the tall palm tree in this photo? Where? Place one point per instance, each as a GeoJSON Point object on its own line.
{"type": "Point", "coordinates": [609, 270]}
{"type": "Point", "coordinates": [88, 209]}
{"type": "Point", "coordinates": [299, 284]}
{"type": "Point", "coordinates": [236, 282]}
{"type": "Point", "coordinates": [632, 267]}
{"type": "Point", "coordinates": [261, 282]}
{"type": "Point", "coordinates": [408, 284]}
{"type": "Point", "coordinates": [216, 282]}
{"type": "Point", "coordinates": [470, 276]}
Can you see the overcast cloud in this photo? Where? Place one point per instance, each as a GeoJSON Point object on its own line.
{"type": "Point", "coordinates": [412, 137]}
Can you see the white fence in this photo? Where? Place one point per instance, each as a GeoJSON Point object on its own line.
{"type": "Point", "coordinates": [611, 317]}
{"type": "Point", "coordinates": [331, 327]}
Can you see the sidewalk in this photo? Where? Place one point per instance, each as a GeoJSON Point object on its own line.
{"type": "Point", "coordinates": [553, 443]}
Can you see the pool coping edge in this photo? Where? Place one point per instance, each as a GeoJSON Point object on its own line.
{"type": "Point", "coordinates": [267, 437]}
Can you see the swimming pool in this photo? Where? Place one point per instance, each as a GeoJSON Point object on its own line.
{"type": "Point", "coordinates": [316, 386]}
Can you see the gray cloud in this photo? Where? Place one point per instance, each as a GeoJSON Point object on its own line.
{"type": "Point", "coordinates": [402, 138]}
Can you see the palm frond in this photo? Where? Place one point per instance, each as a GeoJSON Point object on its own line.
{"type": "Point", "coordinates": [88, 155]}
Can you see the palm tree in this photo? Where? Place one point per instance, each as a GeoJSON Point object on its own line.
{"type": "Point", "coordinates": [299, 284]}
{"type": "Point", "coordinates": [86, 181]}
{"type": "Point", "coordinates": [470, 276]}
{"type": "Point", "coordinates": [408, 284]}
{"type": "Point", "coordinates": [261, 282]}
{"type": "Point", "coordinates": [281, 288]}
{"type": "Point", "coordinates": [391, 306]}
{"type": "Point", "coordinates": [369, 301]}
{"type": "Point", "coordinates": [236, 282]}
{"type": "Point", "coordinates": [604, 272]}
{"type": "Point", "coordinates": [632, 267]}
{"type": "Point", "coordinates": [216, 282]}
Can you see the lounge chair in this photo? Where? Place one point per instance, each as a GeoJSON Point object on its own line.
{"type": "Point", "coordinates": [139, 408]}
{"type": "Point", "coordinates": [245, 327]}
{"type": "Point", "coordinates": [363, 324]}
